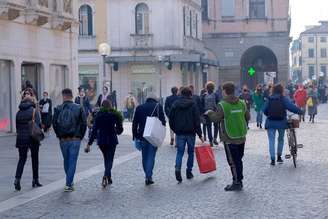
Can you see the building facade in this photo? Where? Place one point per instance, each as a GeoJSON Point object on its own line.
{"type": "Point", "coordinates": [296, 57]}
{"type": "Point", "coordinates": [249, 34]}
{"type": "Point", "coordinates": [155, 46]}
{"type": "Point", "coordinates": [314, 47]}
{"type": "Point", "coordinates": [38, 42]}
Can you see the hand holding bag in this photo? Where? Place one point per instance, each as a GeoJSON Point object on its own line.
{"type": "Point", "coordinates": [36, 132]}
{"type": "Point", "coordinates": [205, 158]}
{"type": "Point", "coordinates": [154, 131]}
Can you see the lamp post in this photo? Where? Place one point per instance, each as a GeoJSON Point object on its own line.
{"type": "Point", "coordinates": [105, 50]}
{"type": "Point", "coordinates": [160, 59]}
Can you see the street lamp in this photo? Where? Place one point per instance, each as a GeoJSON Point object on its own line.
{"type": "Point", "coordinates": [105, 50]}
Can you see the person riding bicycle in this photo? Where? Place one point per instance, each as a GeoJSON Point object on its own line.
{"type": "Point", "coordinates": [275, 109]}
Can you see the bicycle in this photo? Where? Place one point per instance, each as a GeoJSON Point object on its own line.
{"type": "Point", "coordinates": [292, 140]}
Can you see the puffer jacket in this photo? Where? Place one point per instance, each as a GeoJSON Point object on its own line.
{"type": "Point", "coordinates": [23, 121]}
{"type": "Point", "coordinates": [185, 117]}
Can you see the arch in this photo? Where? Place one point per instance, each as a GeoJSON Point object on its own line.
{"type": "Point", "coordinates": [142, 18]}
{"type": "Point", "coordinates": [86, 20]}
{"type": "Point", "coordinates": [262, 59]}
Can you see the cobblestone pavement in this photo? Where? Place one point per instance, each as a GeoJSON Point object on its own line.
{"type": "Point", "coordinates": [269, 192]}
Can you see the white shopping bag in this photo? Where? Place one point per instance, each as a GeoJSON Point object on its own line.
{"type": "Point", "coordinates": [154, 131]}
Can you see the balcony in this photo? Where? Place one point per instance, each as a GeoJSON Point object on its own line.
{"type": "Point", "coordinates": [87, 42]}
{"type": "Point", "coordinates": [192, 44]}
{"type": "Point", "coordinates": [142, 41]}
{"type": "Point", "coordinates": [10, 10]}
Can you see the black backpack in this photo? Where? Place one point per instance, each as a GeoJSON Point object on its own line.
{"type": "Point", "coordinates": [276, 109]}
{"type": "Point", "coordinates": [66, 121]}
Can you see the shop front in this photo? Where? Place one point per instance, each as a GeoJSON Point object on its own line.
{"type": "Point", "coordinates": [5, 97]}
{"type": "Point", "coordinates": [89, 80]}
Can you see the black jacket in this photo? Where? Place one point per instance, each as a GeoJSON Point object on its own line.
{"type": "Point", "coordinates": [79, 115]}
{"type": "Point", "coordinates": [23, 120]}
{"type": "Point", "coordinates": [185, 117]}
{"type": "Point", "coordinates": [169, 102]}
{"type": "Point", "coordinates": [105, 129]}
{"type": "Point", "coordinates": [141, 114]}
{"type": "Point", "coordinates": [86, 104]}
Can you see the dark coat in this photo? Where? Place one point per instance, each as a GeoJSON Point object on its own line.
{"type": "Point", "coordinates": [46, 117]}
{"type": "Point", "coordinates": [141, 114]}
{"type": "Point", "coordinates": [280, 124]}
{"type": "Point", "coordinates": [198, 103]}
{"type": "Point", "coordinates": [23, 121]}
{"type": "Point", "coordinates": [185, 117]}
{"type": "Point", "coordinates": [98, 103]}
{"type": "Point", "coordinates": [169, 102]}
{"type": "Point", "coordinates": [106, 127]}
{"type": "Point", "coordinates": [81, 120]}
{"type": "Point", "coordinates": [86, 104]}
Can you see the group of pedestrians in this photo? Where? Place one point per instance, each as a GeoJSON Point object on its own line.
{"type": "Point", "coordinates": [224, 109]}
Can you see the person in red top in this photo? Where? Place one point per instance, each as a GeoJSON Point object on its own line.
{"type": "Point", "coordinates": [300, 98]}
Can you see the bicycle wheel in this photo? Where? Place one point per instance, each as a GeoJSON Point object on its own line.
{"type": "Point", "coordinates": [293, 145]}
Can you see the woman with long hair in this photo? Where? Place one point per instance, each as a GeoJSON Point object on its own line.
{"type": "Point", "coordinates": [24, 142]}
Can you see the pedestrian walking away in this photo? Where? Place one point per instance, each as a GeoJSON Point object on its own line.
{"type": "Point", "coordinates": [45, 105]}
{"type": "Point", "coordinates": [184, 120]}
{"type": "Point", "coordinates": [233, 115]}
{"type": "Point", "coordinates": [276, 111]}
{"type": "Point", "coordinates": [107, 125]}
{"type": "Point", "coordinates": [151, 107]}
{"type": "Point", "coordinates": [69, 124]}
{"type": "Point", "coordinates": [300, 98]}
{"type": "Point", "coordinates": [167, 108]}
{"type": "Point", "coordinates": [24, 142]}
{"type": "Point", "coordinates": [209, 102]}
{"type": "Point", "coordinates": [312, 102]}
{"type": "Point", "coordinates": [258, 100]}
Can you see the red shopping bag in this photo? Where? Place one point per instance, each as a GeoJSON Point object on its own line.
{"type": "Point", "coordinates": [205, 158]}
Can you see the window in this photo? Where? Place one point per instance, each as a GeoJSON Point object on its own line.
{"type": "Point", "coordinates": [300, 60]}
{"type": "Point", "coordinates": [227, 8]}
{"type": "Point", "coordinates": [323, 53]}
{"type": "Point", "coordinates": [184, 21]}
{"type": "Point", "coordinates": [142, 19]}
{"type": "Point", "coordinates": [311, 39]}
{"type": "Point", "coordinates": [323, 39]}
{"type": "Point", "coordinates": [311, 53]}
{"type": "Point", "coordinates": [187, 21]}
{"type": "Point", "coordinates": [197, 26]}
{"type": "Point", "coordinates": [311, 71]}
{"type": "Point", "coordinates": [191, 21]}
{"type": "Point", "coordinates": [205, 9]}
{"type": "Point", "coordinates": [294, 61]}
{"type": "Point", "coordinates": [257, 9]}
{"type": "Point", "coordinates": [85, 18]}
{"type": "Point", "coordinates": [323, 69]}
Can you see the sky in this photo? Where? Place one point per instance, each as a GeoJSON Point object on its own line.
{"type": "Point", "coordinates": [307, 12]}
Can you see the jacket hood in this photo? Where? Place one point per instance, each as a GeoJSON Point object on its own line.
{"type": "Point", "coordinates": [184, 103]}
{"type": "Point", "coordinates": [26, 104]}
{"type": "Point", "coordinates": [231, 99]}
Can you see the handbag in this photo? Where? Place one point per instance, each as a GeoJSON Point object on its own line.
{"type": "Point", "coordinates": [310, 102]}
{"type": "Point", "coordinates": [154, 131]}
{"type": "Point", "coordinates": [205, 158]}
{"type": "Point", "coordinates": [36, 132]}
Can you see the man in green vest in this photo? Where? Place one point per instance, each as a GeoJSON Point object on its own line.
{"type": "Point", "coordinates": [233, 117]}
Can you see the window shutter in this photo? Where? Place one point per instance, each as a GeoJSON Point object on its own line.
{"type": "Point", "coordinates": [90, 29]}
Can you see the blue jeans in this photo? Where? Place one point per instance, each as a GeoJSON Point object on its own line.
{"type": "Point", "coordinates": [70, 151]}
{"type": "Point", "coordinates": [182, 140]}
{"type": "Point", "coordinates": [259, 117]}
{"type": "Point", "coordinates": [272, 141]}
{"type": "Point", "coordinates": [148, 158]}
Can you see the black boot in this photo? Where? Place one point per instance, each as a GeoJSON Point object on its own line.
{"type": "Point", "coordinates": [17, 185]}
{"type": "Point", "coordinates": [235, 186]}
{"type": "Point", "coordinates": [178, 176]}
{"type": "Point", "coordinates": [36, 183]}
{"type": "Point", "coordinates": [189, 175]}
{"type": "Point", "coordinates": [273, 162]}
{"type": "Point", "coordinates": [279, 160]}
{"type": "Point", "coordinates": [149, 182]}
{"type": "Point", "coordinates": [104, 182]}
